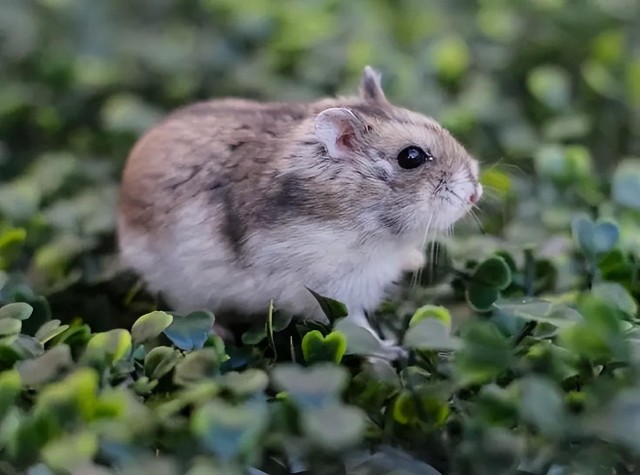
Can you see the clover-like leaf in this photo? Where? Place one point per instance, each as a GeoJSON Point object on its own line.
{"type": "Point", "coordinates": [333, 309]}
{"type": "Point", "coordinates": [50, 330]}
{"type": "Point", "coordinates": [481, 297]}
{"type": "Point", "coordinates": [431, 311]}
{"type": "Point", "coordinates": [160, 361]}
{"type": "Point", "coordinates": [541, 311]}
{"type": "Point", "coordinates": [493, 272]}
{"type": "Point", "coordinates": [551, 85]}
{"type": "Point", "coordinates": [108, 347]}
{"type": "Point", "coordinates": [626, 183]}
{"type": "Point", "coordinates": [404, 408]}
{"type": "Point", "coordinates": [595, 239]}
{"type": "Point", "coordinates": [10, 387]}
{"type": "Point", "coordinates": [191, 331]}
{"type": "Point", "coordinates": [245, 383]}
{"type": "Point", "coordinates": [619, 419]}
{"type": "Point", "coordinates": [484, 353]}
{"type": "Point", "coordinates": [150, 326]}
{"type": "Point", "coordinates": [542, 405]}
{"type": "Point", "coordinates": [617, 296]}
{"type": "Point", "coordinates": [317, 348]}
{"type": "Point", "coordinates": [229, 431]}
{"type": "Point", "coordinates": [71, 451]}
{"type": "Point", "coordinates": [46, 367]}
{"type": "Point", "coordinates": [311, 387]}
{"type": "Point", "coordinates": [10, 326]}
{"type": "Point", "coordinates": [334, 427]}
{"type": "Point", "coordinates": [254, 335]}
{"type": "Point", "coordinates": [17, 310]}
{"type": "Point", "coordinates": [19, 347]}
{"type": "Point", "coordinates": [71, 399]}
{"type": "Point", "coordinates": [196, 366]}
{"type": "Point", "coordinates": [11, 242]}
{"type": "Point", "coordinates": [432, 334]}
{"type": "Point", "coordinates": [360, 341]}
{"type": "Point", "coordinates": [144, 385]}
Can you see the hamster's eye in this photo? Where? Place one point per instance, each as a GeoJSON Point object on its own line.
{"type": "Point", "coordinates": [413, 157]}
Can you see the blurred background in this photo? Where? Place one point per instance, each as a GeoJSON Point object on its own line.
{"type": "Point", "coordinates": [531, 87]}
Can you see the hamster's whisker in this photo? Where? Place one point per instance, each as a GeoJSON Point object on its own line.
{"type": "Point", "coordinates": [418, 275]}
{"type": "Point", "coordinates": [477, 220]}
{"type": "Point", "coordinates": [500, 163]}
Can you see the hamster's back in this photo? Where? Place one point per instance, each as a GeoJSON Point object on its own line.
{"type": "Point", "coordinates": [198, 149]}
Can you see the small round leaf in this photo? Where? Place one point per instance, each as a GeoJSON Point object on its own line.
{"type": "Point", "coordinates": [493, 272]}
{"type": "Point", "coordinates": [481, 297]}
{"type": "Point", "coordinates": [17, 310]}
{"type": "Point", "coordinates": [150, 326]}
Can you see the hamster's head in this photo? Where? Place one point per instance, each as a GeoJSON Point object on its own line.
{"type": "Point", "coordinates": [411, 175]}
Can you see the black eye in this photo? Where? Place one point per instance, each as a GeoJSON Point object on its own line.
{"type": "Point", "coordinates": [413, 157]}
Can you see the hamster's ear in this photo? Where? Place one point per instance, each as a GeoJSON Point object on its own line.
{"type": "Point", "coordinates": [337, 128]}
{"type": "Point", "coordinates": [371, 86]}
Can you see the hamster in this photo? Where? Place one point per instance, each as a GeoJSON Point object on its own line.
{"type": "Point", "coordinates": [229, 204]}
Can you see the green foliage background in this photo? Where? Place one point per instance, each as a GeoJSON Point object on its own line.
{"type": "Point", "coordinates": [546, 93]}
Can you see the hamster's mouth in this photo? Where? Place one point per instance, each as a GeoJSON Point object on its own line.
{"type": "Point", "coordinates": [452, 205]}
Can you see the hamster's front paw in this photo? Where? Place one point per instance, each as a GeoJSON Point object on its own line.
{"type": "Point", "coordinates": [414, 260]}
{"type": "Point", "coordinates": [392, 351]}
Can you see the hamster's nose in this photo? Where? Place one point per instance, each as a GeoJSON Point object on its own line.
{"type": "Point", "coordinates": [475, 196]}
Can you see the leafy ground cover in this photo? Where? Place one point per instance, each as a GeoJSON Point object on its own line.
{"type": "Point", "coordinates": [523, 331]}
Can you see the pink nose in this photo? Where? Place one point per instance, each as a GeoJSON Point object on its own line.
{"type": "Point", "coordinates": [475, 196]}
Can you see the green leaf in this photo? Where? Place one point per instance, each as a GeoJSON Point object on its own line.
{"type": "Point", "coordinates": [249, 382]}
{"type": "Point", "coordinates": [11, 242]}
{"type": "Point", "coordinates": [47, 367]}
{"type": "Point", "coordinates": [484, 354]}
{"type": "Point", "coordinates": [431, 334]}
{"type": "Point", "coordinates": [360, 341]}
{"type": "Point", "coordinates": [626, 183]}
{"type": "Point", "coordinates": [542, 311]}
{"type": "Point", "coordinates": [619, 419]}
{"type": "Point", "coordinates": [160, 361]}
{"type": "Point", "coordinates": [310, 387]}
{"type": "Point", "coordinates": [150, 326]}
{"type": "Point", "coordinates": [19, 347]}
{"type": "Point", "coordinates": [17, 310]}
{"type": "Point", "coordinates": [388, 460]}
{"type": "Point", "coordinates": [617, 296]}
{"type": "Point", "coordinates": [281, 320]}
{"type": "Point", "coordinates": [196, 366]}
{"type": "Point", "coordinates": [317, 348]}
{"type": "Point", "coordinates": [71, 451]}
{"type": "Point", "coordinates": [431, 311]}
{"type": "Point", "coordinates": [10, 326]}
{"type": "Point", "coordinates": [563, 164]}
{"type": "Point", "coordinates": [108, 347]}
{"type": "Point", "coordinates": [191, 332]}
{"type": "Point", "coordinates": [143, 385]}
{"type": "Point", "coordinates": [10, 387]}
{"type": "Point", "coordinates": [334, 427]}
{"type": "Point", "coordinates": [542, 405]}
{"type": "Point", "coordinates": [71, 399]}
{"type": "Point", "coordinates": [481, 297]}
{"type": "Point", "coordinates": [254, 335]}
{"type": "Point", "coordinates": [450, 55]}
{"type": "Point", "coordinates": [50, 330]}
{"type": "Point", "coordinates": [230, 431]}
{"type": "Point", "coordinates": [404, 409]}
{"type": "Point", "coordinates": [331, 308]}
{"type": "Point", "coordinates": [551, 85]}
{"type": "Point", "coordinates": [595, 239]}
{"type": "Point", "coordinates": [493, 272]}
